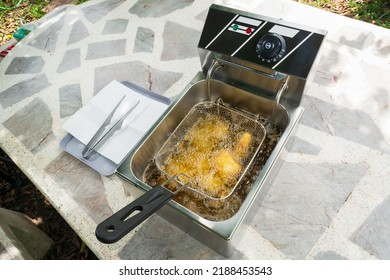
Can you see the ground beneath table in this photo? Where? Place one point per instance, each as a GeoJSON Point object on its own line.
{"type": "Point", "coordinates": [22, 196]}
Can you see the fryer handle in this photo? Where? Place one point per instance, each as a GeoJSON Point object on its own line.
{"type": "Point", "coordinates": [120, 223]}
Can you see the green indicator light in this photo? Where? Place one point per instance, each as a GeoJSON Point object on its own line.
{"type": "Point", "coordinates": [235, 27]}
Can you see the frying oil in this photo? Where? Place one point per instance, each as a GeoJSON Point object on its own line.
{"type": "Point", "coordinates": [214, 209]}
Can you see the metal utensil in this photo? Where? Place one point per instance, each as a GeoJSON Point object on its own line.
{"type": "Point", "coordinates": [100, 137]}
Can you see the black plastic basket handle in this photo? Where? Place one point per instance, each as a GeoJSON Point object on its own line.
{"type": "Point", "coordinates": [121, 223]}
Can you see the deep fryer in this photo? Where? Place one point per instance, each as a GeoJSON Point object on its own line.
{"type": "Point", "coordinates": [258, 65]}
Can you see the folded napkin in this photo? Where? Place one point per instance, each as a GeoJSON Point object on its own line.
{"type": "Point", "coordinates": [85, 122]}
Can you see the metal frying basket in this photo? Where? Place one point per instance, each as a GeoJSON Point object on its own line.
{"type": "Point", "coordinates": [115, 227]}
{"type": "Point", "coordinates": [213, 146]}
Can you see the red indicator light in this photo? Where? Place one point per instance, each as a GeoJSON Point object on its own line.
{"type": "Point", "coordinates": [248, 30]}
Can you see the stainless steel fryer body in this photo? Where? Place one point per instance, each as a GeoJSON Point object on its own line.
{"type": "Point", "coordinates": [221, 236]}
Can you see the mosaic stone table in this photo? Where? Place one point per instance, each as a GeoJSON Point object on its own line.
{"type": "Point", "coordinates": [331, 199]}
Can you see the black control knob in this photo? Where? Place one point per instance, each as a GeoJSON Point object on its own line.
{"type": "Point", "coordinates": [271, 47]}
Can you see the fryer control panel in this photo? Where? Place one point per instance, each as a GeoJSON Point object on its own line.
{"type": "Point", "coordinates": [281, 46]}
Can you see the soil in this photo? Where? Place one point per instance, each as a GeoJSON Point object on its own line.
{"type": "Point", "coordinates": [56, 3]}
{"type": "Point", "coordinates": [17, 193]}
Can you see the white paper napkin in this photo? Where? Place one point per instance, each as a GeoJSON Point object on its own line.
{"type": "Point", "coordinates": [86, 121]}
